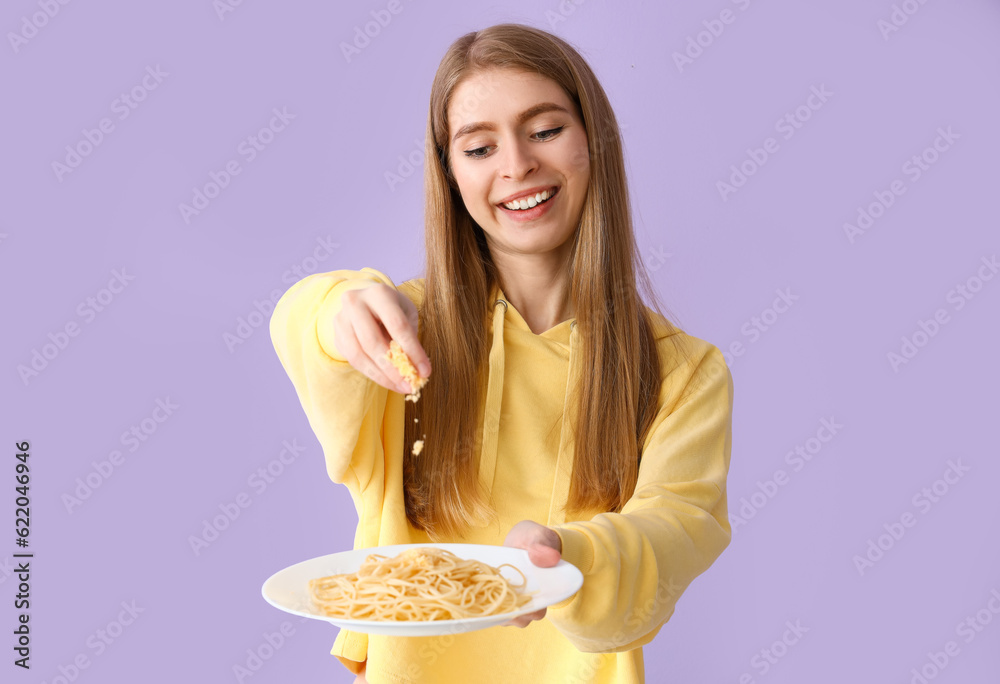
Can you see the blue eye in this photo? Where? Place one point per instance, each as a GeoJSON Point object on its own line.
{"type": "Point", "coordinates": [471, 154]}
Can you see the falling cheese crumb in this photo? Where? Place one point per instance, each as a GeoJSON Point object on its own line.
{"type": "Point", "coordinates": [405, 367]}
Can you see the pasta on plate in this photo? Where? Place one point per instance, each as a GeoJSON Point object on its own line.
{"type": "Point", "coordinates": [419, 584]}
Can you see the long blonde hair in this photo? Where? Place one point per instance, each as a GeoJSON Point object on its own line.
{"type": "Point", "coordinates": [617, 392]}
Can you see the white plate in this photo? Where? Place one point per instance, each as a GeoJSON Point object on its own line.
{"type": "Point", "coordinates": [288, 589]}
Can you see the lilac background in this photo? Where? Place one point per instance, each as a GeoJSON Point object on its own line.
{"type": "Point", "coordinates": [716, 262]}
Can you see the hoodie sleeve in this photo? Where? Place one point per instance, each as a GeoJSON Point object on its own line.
{"type": "Point", "coordinates": [637, 563]}
{"type": "Point", "coordinates": [344, 407]}
{"type": "Point", "coordinates": [346, 410]}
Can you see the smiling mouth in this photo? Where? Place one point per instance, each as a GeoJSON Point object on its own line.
{"type": "Point", "coordinates": [551, 194]}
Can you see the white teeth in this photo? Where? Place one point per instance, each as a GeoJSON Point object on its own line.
{"type": "Point", "coordinates": [528, 202]}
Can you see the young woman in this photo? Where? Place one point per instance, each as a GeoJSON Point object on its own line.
{"type": "Point", "coordinates": [562, 415]}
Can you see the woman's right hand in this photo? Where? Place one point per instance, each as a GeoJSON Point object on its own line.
{"type": "Point", "coordinates": [368, 319]}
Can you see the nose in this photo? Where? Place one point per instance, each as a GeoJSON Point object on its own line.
{"type": "Point", "coordinates": [517, 160]}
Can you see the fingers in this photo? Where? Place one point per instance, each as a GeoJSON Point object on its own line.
{"type": "Point", "coordinates": [543, 556]}
{"type": "Point", "coordinates": [526, 619]}
{"type": "Point", "coordinates": [353, 350]}
{"type": "Point", "coordinates": [375, 343]}
{"type": "Point", "coordinates": [398, 317]}
{"type": "Point", "coordinates": [542, 543]}
{"type": "Point", "coordinates": [401, 323]}
{"type": "Point", "coordinates": [362, 339]}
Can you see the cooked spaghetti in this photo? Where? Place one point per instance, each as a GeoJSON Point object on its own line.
{"type": "Point", "coordinates": [417, 585]}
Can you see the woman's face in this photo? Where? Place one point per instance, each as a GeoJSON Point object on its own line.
{"type": "Point", "coordinates": [514, 135]}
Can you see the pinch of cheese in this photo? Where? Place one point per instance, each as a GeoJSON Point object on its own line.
{"type": "Point", "coordinates": [401, 361]}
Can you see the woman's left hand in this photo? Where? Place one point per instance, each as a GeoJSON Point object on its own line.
{"type": "Point", "coordinates": [544, 550]}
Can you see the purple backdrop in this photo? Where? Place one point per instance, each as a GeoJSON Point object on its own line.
{"type": "Point", "coordinates": [815, 191]}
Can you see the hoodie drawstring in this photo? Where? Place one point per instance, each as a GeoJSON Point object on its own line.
{"type": "Point", "coordinates": [491, 419]}
{"type": "Point", "coordinates": [564, 461]}
{"type": "Point", "coordinates": [494, 395]}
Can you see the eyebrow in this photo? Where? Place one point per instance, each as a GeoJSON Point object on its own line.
{"type": "Point", "coordinates": [524, 116]}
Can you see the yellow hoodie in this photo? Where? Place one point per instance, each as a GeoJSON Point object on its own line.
{"type": "Point", "coordinates": [635, 564]}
